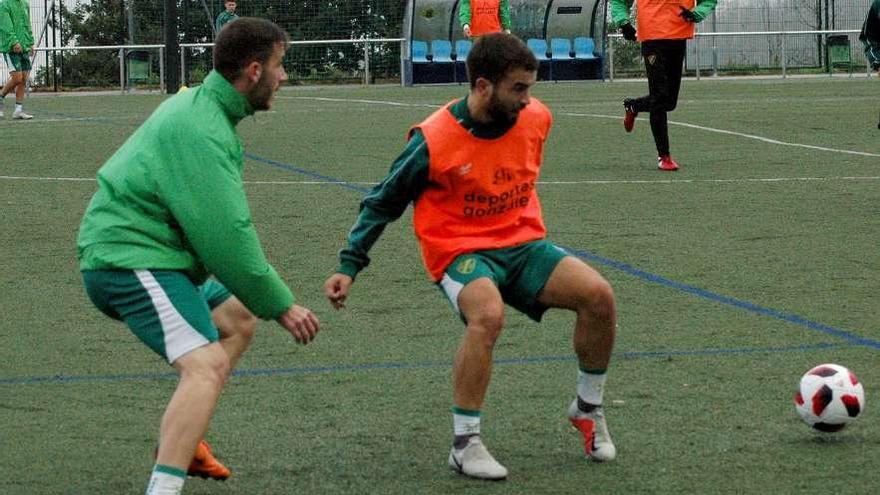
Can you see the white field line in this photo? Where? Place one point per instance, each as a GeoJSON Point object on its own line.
{"type": "Point", "coordinates": [40, 120]}
{"type": "Point", "coordinates": [547, 182]}
{"type": "Point", "coordinates": [732, 133]}
{"type": "Point", "coordinates": [616, 117]}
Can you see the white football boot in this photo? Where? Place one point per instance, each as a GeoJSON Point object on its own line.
{"type": "Point", "coordinates": [21, 116]}
{"type": "Point", "coordinates": [597, 441]}
{"type": "Point", "coordinates": [474, 460]}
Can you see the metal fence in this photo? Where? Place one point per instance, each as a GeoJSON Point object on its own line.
{"type": "Point", "coordinates": [357, 41]}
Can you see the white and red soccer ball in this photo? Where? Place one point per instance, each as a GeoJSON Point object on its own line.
{"type": "Point", "coordinates": [829, 396]}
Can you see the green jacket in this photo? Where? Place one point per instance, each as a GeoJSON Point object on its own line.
{"type": "Point", "coordinates": [223, 18]}
{"type": "Point", "coordinates": [464, 13]}
{"type": "Point", "coordinates": [172, 198]}
{"type": "Point", "coordinates": [15, 25]}
{"type": "Point", "coordinates": [870, 34]}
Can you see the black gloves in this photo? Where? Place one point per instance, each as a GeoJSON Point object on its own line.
{"type": "Point", "coordinates": [688, 15]}
{"type": "Point", "coordinates": [628, 32]}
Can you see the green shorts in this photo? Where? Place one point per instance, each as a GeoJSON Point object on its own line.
{"type": "Point", "coordinates": [20, 62]}
{"type": "Point", "coordinates": [519, 272]}
{"type": "Point", "coordinates": [162, 307]}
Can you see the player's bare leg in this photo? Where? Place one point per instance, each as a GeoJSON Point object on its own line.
{"type": "Point", "coordinates": [483, 309]}
{"type": "Point", "coordinates": [576, 286]}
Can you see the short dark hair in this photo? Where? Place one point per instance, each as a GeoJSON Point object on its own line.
{"type": "Point", "coordinates": [494, 55]}
{"type": "Point", "coordinates": [243, 41]}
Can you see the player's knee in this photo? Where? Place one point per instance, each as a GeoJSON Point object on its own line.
{"type": "Point", "coordinates": [598, 301]}
{"type": "Point", "coordinates": [210, 366]}
{"type": "Point", "coordinates": [235, 320]}
{"type": "Point", "coordinates": [245, 324]}
{"type": "Point", "coordinates": [670, 105]}
{"type": "Point", "coordinates": [488, 324]}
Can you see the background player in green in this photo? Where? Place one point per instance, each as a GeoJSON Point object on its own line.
{"type": "Point", "coordinates": [469, 169]}
{"type": "Point", "coordinates": [227, 15]}
{"type": "Point", "coordinates": [170, 210]}
{"type": "Point", "coordinates": [17, 45]}
{"type": "Point", "coordinates": [870, 36]}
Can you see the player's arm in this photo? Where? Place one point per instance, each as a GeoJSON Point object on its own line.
{"type": "Point", "coordinates": [7, 31]}
{"type": "Point", "coordinates": [703, 9]}
{"type": "Point", "coordinates": [204, 194]}
{"type": "Point", "coordinates": [464, 16]}
{"type": "Point", "coordinates": [384, 204]}
{"type": "Point", "coordinates": [620, 10]}
{"type": "Point", "coordinates": [504, 14]}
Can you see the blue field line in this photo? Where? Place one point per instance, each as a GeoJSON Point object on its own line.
{"type": "Point", "coordinates": [309, 173]}
{"type": "Point", "coordinates": [730, 301]}
{"type": "Point", "coordinates": [347, 368]}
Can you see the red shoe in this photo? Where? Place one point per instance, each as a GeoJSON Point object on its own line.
{"type": "Point", "coordinates": [666, 163]}
{"type": "Point", "coordinates": [629, 116]}
{"type": "Point", "coordinates": [205, 465]}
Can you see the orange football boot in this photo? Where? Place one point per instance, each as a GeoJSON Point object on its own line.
{"type": "Point", "coordinates": [205, 465]}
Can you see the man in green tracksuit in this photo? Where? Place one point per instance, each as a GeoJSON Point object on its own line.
{"type": "Point", "coordinates": [227, 15]}
{"type": "Point", "coordinates": [17, 46]}
{"type": "Point", "coordinates": [169, 211]}
{"type": "Point", "coordinates": [870, 36]}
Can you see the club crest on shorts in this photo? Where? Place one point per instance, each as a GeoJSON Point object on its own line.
{"type": "Point", "coordinates": [651, 59]}
{"type": "Point", "coordinates": [466, 266]}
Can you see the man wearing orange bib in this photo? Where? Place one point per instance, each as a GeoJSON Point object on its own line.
{"type": "Point", "coordinates": [479, 17]}
{"type": "Point", "coordinates": [664, 26]}
{"type": "Point", "coordinates": [470, 169]}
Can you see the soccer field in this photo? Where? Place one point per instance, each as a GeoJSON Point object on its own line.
{"type": "Point", "coordinates": [753, 263]}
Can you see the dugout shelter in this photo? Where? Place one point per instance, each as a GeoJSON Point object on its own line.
{"type": "Point", "coordinates": [566, 36]}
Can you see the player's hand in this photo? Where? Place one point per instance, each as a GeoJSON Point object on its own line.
{"type": "Point", "coordinates": [33, 51]}
{"type": "Point", "coordinates": [507, 31]}
{"type": "Point", "coordinates": [467, 30]}
{"type": "Point", "coordinates": [16, 48]}
{"type": "Point", "coordinates": [628, 32]}
{"type": "Point", "coordinates": [688, 15]}
{"type": "Point", "coordinates": [301, 323]}
{"type": "Point", "coordinates": [336, 289]}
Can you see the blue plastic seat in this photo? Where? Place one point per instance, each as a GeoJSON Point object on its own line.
{"type": "Point", "coordinates": [560, 48]}
{"type": "Point", "coordinates": [441, 50]}
{"type": "Point", "coordinates": [462, 48]}
{"type": "Point", "coordinates": [419, 51]}
{"type": "Point", "coordinates": [538, 47]}
{"type": "Point", "coordinates": [583, 48]}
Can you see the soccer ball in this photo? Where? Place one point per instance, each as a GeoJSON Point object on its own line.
{"type": "Point", "coordinates": [829, 397]}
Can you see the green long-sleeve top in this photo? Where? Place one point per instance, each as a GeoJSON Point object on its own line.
{"type": "Point", "coordinates": [464, 13]}
{"type": "Point", "coordinates": [172, 198]}
{"type": "Point", "coordinates": [620, 10]}
{"type": "Point", "coordinates": [405, 182]}
{"type": "Point", "coordinates": [15, 25]}
{"type": "Point", "coordinates": [223, 18]}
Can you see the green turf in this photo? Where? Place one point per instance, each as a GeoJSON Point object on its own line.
{"type": "Point", "coordinates": [699, 395]}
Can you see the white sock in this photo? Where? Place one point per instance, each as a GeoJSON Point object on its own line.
{"type": "Point", "coordinates": [465, 422]}
{"type": "Point", "coordinates": [166, 480]}
{"type": "Point", "coordinates": [591, 387]}
{"type": "Point", "coordinates": [17, 107]}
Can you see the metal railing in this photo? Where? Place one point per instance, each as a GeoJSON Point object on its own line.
{"type": "Point", "coordinates": [367, 42]}
{"type": "Point", "coordinates": [122, 49]}
{"type": "Point", "coordinates": [783, 49]}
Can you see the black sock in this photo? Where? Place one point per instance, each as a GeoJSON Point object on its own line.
{"type": "Point", "coordinates": [585, 407]}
